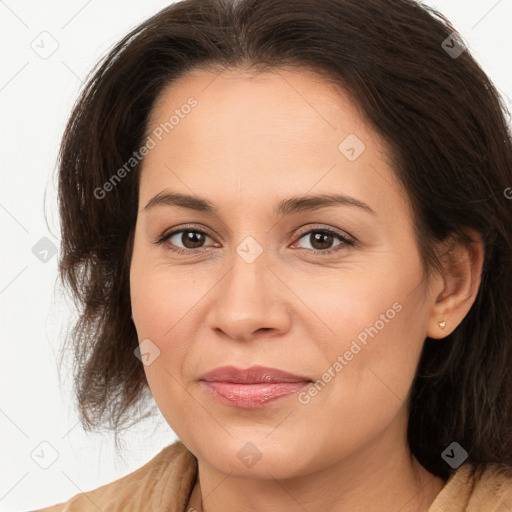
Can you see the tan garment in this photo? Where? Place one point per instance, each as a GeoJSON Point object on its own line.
{"type": "Point", "coordinates": [165, 483]}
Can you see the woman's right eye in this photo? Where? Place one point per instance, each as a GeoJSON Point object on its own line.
{"type": "Point", "coordinates": [190, 238]}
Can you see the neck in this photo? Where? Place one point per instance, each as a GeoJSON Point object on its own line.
{"type": "Point", "coordinates": [373, 481]}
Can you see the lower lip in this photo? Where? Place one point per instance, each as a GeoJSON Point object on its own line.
{"type": "Point", "coordinates": [252, 396]}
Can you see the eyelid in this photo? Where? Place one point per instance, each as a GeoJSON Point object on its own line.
{"type": "Point", "coordinates": [185, 227]}
{"type": "Point", "coordinates": [322, 227]}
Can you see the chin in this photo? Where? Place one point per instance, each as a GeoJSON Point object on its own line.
{"type": "Point", "coordinates": [252, 456]}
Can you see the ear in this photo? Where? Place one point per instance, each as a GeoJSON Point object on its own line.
{"type": "Point", "coordinates": [457, 288]}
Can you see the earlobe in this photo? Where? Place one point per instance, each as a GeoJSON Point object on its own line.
{"type": "Point", "coordinates": [462, 263]}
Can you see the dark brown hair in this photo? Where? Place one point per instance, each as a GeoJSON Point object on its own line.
{"type": "Point", "coordinates": [445, 126]}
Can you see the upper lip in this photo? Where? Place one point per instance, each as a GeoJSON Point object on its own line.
{"type": "Point", "coordinates": [252, 375]}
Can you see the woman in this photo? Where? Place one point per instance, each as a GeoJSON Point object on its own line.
{"type": "Point", "coordinates": [288, 220]}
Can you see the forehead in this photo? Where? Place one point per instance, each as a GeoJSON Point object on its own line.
{"type": "Point", "coordinates": [270, 98]}
{"type": "Point", "coordinates": [270, 131]}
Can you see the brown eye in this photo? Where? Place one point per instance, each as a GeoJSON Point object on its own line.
{"type": "Point", "coordinates": [184, 240]}
{"type": "Point", "coordinates": [189, 239]}
{"type": "Point", "coordinates": [321, 240]}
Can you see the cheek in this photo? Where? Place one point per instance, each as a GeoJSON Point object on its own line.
{"type": "Point", "coordinates": [166, 303]}
{"type": "Point", "coordinates": [371, 354]}
{"type": "Point", "coordinates": [163, 297]}
{"type": "Point", "coordinates": [367, 372]}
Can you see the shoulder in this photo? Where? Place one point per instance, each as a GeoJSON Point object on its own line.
{"type": "Point", "coordinates": [475, 488]}
{"type": "Point", "coordinates": [163, 483]}
{"type": "Point", "coordinates": [493, 485]}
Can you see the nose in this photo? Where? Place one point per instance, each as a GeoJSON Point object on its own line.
{"type": "Point", "coordinates": [249, 301]}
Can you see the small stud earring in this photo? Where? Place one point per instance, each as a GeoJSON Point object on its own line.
{"type": "Point", "coordinates": [442, 324]}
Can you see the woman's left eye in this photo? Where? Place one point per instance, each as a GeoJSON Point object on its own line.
{"type": "Point", "coordinates": [192, 239]}
{"type": "Point", "coordinates": [323, 237]}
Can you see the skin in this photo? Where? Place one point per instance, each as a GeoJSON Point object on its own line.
{"type": "Point", "coordinates": [252, 141]}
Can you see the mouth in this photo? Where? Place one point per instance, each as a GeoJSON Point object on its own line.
{"type": "Point", "coordinates": [252, 388]}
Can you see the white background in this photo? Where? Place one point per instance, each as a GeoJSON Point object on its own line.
{"type": "Point", "coordinates": [36, 96]}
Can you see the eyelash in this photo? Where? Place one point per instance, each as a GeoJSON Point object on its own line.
{"type": "Point", "coordinates": [344, 239]}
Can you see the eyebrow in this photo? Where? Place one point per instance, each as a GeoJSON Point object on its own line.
{"type": "Point", "coordinates": [284, 207]}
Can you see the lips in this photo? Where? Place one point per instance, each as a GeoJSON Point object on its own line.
{"type": "Point", "coordinates": [253, 387]}
{"type": "Point", "coordinates": [252, 375]}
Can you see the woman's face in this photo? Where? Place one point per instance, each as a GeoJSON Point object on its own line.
{"type": "Point", "coordinates": [266, 285]}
